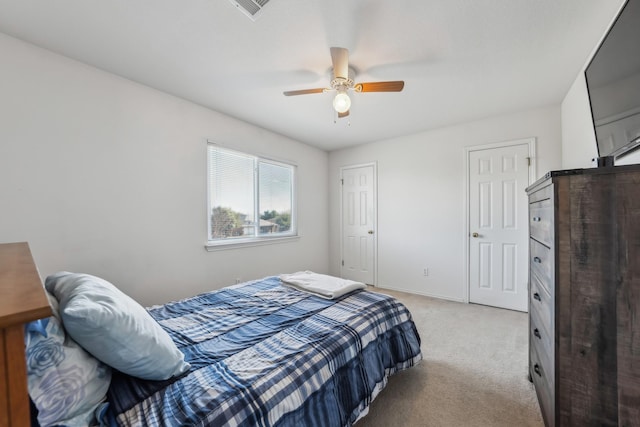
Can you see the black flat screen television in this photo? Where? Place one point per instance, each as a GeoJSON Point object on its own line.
{"type": "Point", "coordinates": [613, 85]}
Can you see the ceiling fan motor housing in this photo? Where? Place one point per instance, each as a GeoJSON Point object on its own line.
{"type": "Point", "coordinates": [341, 83]}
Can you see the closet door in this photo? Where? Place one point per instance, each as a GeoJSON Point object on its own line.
{"type": "Point", "coordinates": [358, 223]}
{"type": "Point", "coordinates": [498, 225]}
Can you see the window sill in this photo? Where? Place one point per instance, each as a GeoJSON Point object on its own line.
{"type": "Point", "coordinates": [245, 243]}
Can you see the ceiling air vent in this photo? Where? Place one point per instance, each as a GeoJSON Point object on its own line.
{"type": "Point", "coordinates": [251, 8]}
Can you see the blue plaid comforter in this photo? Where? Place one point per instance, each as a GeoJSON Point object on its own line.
{"type": "Point", "coordinates": [263, 354]}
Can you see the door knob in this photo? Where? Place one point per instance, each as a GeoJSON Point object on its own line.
{"type": "Point", "coordinates": [475, 235]}
{"type": "Point", "coordinates": [370, 231]}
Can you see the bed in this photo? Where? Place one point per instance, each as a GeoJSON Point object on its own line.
{"type": "Point", "coordinates": [257, 353]}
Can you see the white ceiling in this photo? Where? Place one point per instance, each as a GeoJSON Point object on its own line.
{"type": "Point", "coordinates": [461, 60]}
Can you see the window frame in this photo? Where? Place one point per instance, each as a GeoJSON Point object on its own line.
{"type": "Point", "coordinates": [257, 239]}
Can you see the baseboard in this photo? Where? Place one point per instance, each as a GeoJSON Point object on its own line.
{"type": "Point", "coordinates": [424, 294]}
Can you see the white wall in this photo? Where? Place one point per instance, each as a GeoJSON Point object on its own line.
{"type": "Point", "coordinates": [105, 176]}
{"type": "Point", "coordinates": [578, 137]}
{"type": "Point", "coordinates": [421, 197]}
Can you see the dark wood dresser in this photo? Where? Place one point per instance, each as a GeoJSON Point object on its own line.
{"type": "Point", "coordinates": [584, 296]}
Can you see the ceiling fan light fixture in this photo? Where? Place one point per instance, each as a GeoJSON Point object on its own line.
{"type": "Point", "coordinates": [342, 76]}
{"type": "Point", "coordinates": [342, 102]}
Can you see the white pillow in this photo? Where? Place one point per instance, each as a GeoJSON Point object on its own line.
{"type": "Point", "coordinates": [66, 384]}
{"type": "Point", "coordinates": [114, 328]}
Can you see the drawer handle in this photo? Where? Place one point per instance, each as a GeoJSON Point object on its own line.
{"type": "Point", "coordinates": [536, 369]}
{"type": "Point", "coordinates": [536, 219]}
{"type": "Point", "coordinates": [537, 296]}
{"type": "Point", "coordinates": [536, 332]}
{"type": "Point", "coordinates": [537, 259]}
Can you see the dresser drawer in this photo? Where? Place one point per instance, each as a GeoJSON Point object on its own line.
{"type": "Point", "coordinates": [541, 263]}
{"type": "Point", "coordinates": [541, 221]}
{"type": "Point", "coordinates": [542, 339]}
{"type": "Point", "coordinates": [541, 302]}
{"type": "Point", "coordinates": [541, 193]}
{"type": "Point", "coordinates": [543, 381]}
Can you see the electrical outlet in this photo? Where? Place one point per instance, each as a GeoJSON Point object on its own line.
{"type": "Point", "coordinates": [425, 272]}
{"type": "Point", "coordinates": [238, 280]}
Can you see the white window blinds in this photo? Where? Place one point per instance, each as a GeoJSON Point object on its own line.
{"type": "Point", "coordinates": [250, 198]}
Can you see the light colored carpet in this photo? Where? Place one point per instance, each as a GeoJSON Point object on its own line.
{"type": "Point", "coordinates": [474, 371]}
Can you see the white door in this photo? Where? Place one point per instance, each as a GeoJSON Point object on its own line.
{"type": "Point", "coordinates": [498, 226]}
{"type": "Point", "coordinates": [358, 224]}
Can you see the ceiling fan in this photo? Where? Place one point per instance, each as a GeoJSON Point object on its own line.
{"type": "Point", "coordinates": [342, 82]}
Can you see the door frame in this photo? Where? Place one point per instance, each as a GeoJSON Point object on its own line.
{"type": "Point", "coordinates": [375, 216]}
{"type": "Point", "coordinates": [531, 142]}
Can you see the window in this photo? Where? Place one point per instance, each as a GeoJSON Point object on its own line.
{"type": "Point", "coordinates": [250, 198]}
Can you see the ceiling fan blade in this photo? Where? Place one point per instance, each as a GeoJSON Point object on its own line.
{"type": "Point", "coordinates": [304, 91]}
{"type": "Point", "coordinates": [345, 114]}
{"type": "Point", "coordinates": [340, 60]}
{"type": "Point", "coordinates": [394, 86]}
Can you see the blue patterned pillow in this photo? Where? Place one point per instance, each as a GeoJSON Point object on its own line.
{"type": "Point", "coordinates": [66, 384]}
{"type": "Point", "coordinates": [115, 328]}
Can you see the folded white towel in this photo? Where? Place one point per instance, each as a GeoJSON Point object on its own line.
{"type": "Point", "coordinates": [320, 284]}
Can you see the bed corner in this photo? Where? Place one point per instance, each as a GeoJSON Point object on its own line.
{"type": "Point", "coordinates": [22, 299]}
